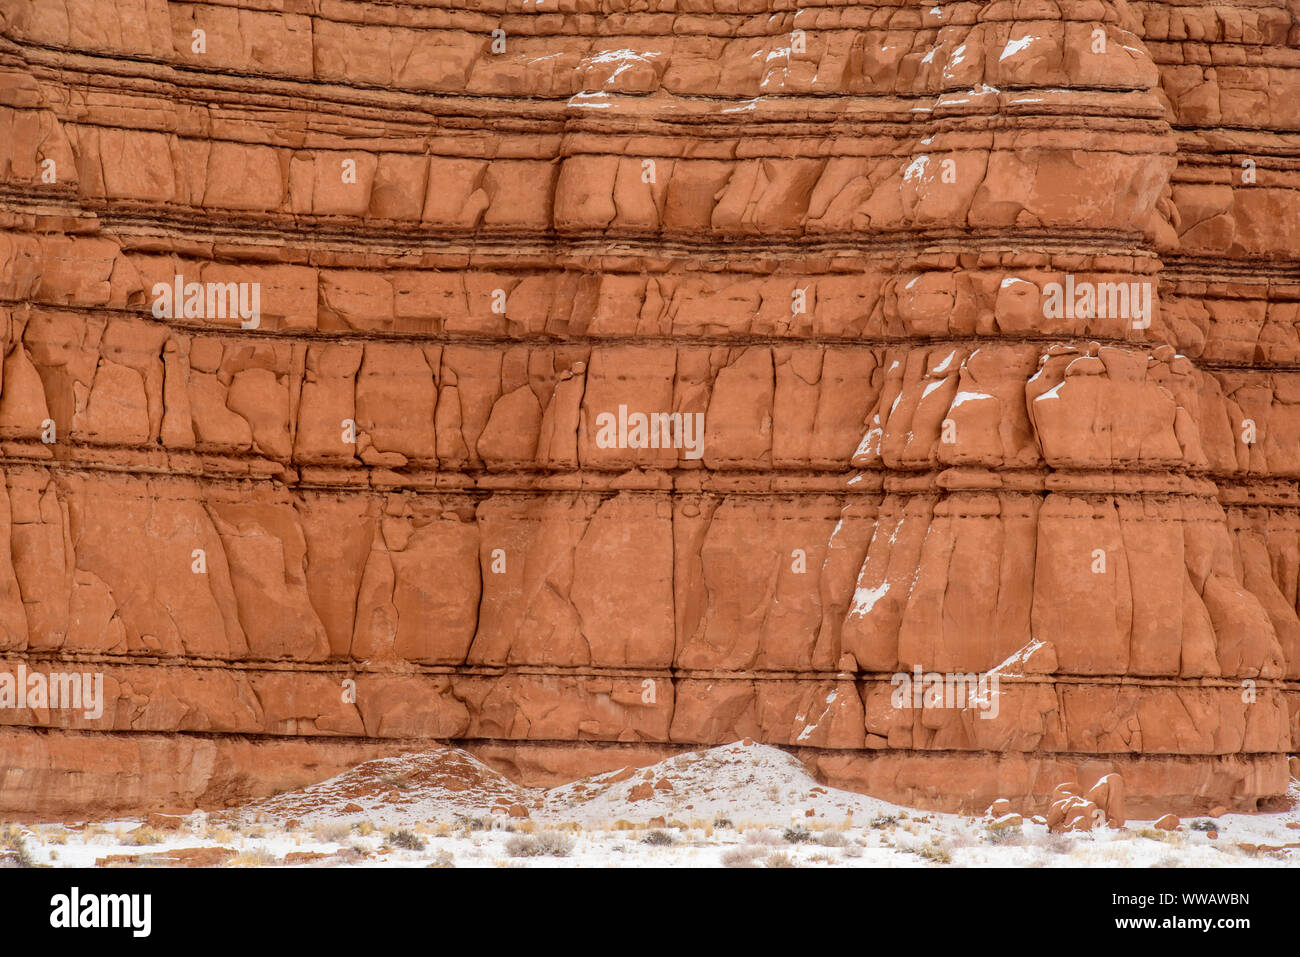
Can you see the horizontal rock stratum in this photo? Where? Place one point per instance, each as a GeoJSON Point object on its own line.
{"type": "Point", "coordinates": [579, 381]}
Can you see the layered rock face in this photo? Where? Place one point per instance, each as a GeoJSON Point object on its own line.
{"type": "Point", "coordinates": [972, 330]}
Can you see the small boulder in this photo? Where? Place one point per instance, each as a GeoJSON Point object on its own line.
{"type": "Point", "coordinates": [1082, 815]}
{"type": "Point", "coordinates": [1108, 794]}
{"type": "Point", "coordinates": [1065, 789]}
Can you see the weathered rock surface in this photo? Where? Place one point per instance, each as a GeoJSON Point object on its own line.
{"type": "Point", "coordinates": [382, 510]}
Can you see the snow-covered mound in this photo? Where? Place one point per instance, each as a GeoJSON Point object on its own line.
{"type": "Point", "coordinates": [754, 783]}
{"type": "Point", "coordinates": [434, 785]}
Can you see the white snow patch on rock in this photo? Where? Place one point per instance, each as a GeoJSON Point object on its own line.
{"type": "Point", "coordinates": [864, 599]}
{"type": "Point", "coordinates": [1015, 46]}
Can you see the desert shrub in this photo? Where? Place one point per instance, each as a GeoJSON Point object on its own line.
{"type": "Point", "coordinates": [1060, 844]}
{"type": "Point", "coordinates": [658, 839]}
{"type": "Point", "coordinates": [545, 844]}
{"type": "Point", "coordinates": [798, 834]}
{"type": "Point", "coordinates": [143, 835]}
{"type": "Point", "coordinates": [778, 859]}
{"type": "Point", "coordinates": [1156, 834]}
{"type": "Point", "coordinates": [13, 849]}
{"type": "Point", "coordinates": [334, 833]}
{"type": "Point", "coordinates": [1005, 836]}
{"type": "Point", "coordinates": [934, 853]}
{"type": "Point", "coordinates": [407, 840]}
{"type": "Point", "coordinates": [555, 844]}
{"type": "Point", "coordinates": [741, 857]}
{"type": "Point", "coordinates": [253, 857]}
{"type": "Point", "coordinates": [832, 838]}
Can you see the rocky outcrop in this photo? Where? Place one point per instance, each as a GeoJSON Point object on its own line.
{"type": "Point", "coordinates": [965, 341]}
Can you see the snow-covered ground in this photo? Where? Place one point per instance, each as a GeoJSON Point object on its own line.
{"type": "Point", "coordinates": [740, 805]}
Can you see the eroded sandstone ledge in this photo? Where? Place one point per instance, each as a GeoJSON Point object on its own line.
{"type": "Point", "coordinates": [837, 255]}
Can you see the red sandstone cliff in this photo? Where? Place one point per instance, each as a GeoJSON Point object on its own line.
{"type": "Point", "coordinates": [830, 228]}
